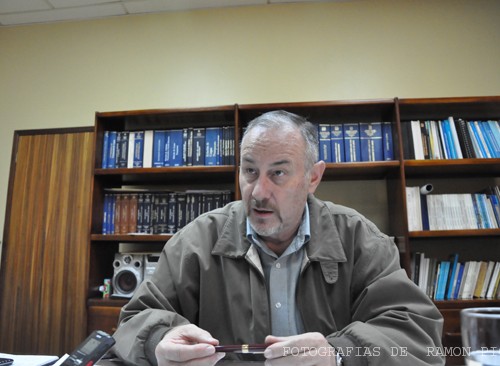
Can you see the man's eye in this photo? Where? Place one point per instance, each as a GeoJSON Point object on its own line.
{"type": "Point", "coordinates": [279, 173]}
{"type": "Point", "coordinates": [250, 171]}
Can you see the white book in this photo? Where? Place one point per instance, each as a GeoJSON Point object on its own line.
{"type": "Point", "coordinates": [487, 278]}
{"type": "Point", "coordinates": [493, 282]}
{"type": "Point", "coordinates": [148, 149]}
{"type": "Point", "coordinates": [131, 145]}
{"type": "Point", "coordinates": [482, 140]}
{"type": "Point", "coordinates": [490, 213]}
{"type": "Point", "coordinates": [413, 209]}
{"type": "Point", "coordinates": [436, 142]}
{"type": "Point", "coordinates": [417, 140]}
{"type": "Point", "coordinates": [464, 278]}
{"type": "Point", "coordinates": [470, 281]}
{"type": "Point", "coordinates": [423, 270]}
{"type": "Point", "coordinates": [470, 213]}
{"type": "Point", "coordinates": [431, 210]}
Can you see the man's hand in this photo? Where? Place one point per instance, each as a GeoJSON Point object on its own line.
{"type": "Point", "coordinates": [187, 344]}
{"type": "Point", "coordinates": [302, 349]}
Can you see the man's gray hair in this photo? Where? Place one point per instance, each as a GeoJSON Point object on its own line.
{"type": "Point", "coordinates": [278, 119]}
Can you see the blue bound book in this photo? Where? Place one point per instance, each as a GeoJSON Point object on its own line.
{"type": "Point", "coordinates": [492, 144]}
{"type": "Point", "coordinates": [325, 147]}
{"type": "Point", "coordinates": [495, 130]}
{"type": "Point", "coordinates": [459, 281]}
{"type": "Point", "coordinates": [451, 276]}
{"type": "Point", "coordinates": [168, 149]}
{"type": "Point", "coordinates": [199, 146]}
{"type": "Point", "coordinates": [106, 215]}
{"type": "Point", "coordinates": [176, 149]}
{"type": "Point", "coordinates": [112, 149]}
{"type": "Point", "coordinates": [370, 135]}
{"type": "Point", "coordinates": [337, 142]}
{"type": "Point", "coordinates": [212, 143]}
{"type": "Point", "coordinates": [351, 142]}
{"type": "Point", "coordinates": [138, 149]}
{"type": "Point", "coordinates": [158, 149]}
{"type": "Point", "coordinates": [443, 277]}
{"type": "Point", "coordinates": [122, 150]}
{"type": "Point", "coordinates": [388, 147]}
{"type": "Point", "coordinates": [105, 149]}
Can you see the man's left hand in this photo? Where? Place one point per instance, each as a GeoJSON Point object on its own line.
{"type": "Point", "coordinates": [302, 349]}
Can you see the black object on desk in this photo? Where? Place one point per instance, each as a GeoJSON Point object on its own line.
{"type": "Point", "coordinates": [6, 361]}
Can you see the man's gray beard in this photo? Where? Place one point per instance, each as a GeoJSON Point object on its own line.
{"type": "Point", "coordinates": [267, 232]}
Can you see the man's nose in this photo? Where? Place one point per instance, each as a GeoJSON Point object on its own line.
{"type": "Point", "coordinates": [262, 189]}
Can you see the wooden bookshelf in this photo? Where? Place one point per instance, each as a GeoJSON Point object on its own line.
{"type": "Point", "coordinates": [396, 175]}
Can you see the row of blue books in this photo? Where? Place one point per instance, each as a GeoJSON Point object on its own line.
{"type": "Point", "coordinates": [453, 211]}
{"type": "Point", "coordinates": [163, 212]}
{"type": "Point", "coordinates": [168, 148]}
{"type": "Point", "coordinates": [454, 280]}
{"type": "Point", "coordinates": [352, 142]}
{"type": "Point", "coordinates": [451, 139]}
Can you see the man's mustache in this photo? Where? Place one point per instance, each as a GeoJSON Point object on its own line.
{"type": "Point", "coordinates": [261, 205]}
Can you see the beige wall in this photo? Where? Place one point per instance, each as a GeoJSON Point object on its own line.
{"type": "Point", "coordinates": [58, 75]}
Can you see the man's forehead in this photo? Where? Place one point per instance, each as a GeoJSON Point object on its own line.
{"type": "Point", "coordinates": [278, 134]}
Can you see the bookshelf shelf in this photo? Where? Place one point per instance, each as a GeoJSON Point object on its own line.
{"type": "Point", "coordinates": [453, 233]}
{"type": "Point", "coordinates": [397, 174]}
{"type": "Point", "coordinates": [184, 174]}
{"type": "Point", "coordinates": [130, 238]}
{"type": "Point", "coordinates": [452, 168]}
{"type": "Point", "coordinates": [203, 169]}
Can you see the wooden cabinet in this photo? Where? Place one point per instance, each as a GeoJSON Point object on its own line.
{"type": "Point", "coordinates": [447, 175]}
{"type": "Point", "coordinates": [43, 275]}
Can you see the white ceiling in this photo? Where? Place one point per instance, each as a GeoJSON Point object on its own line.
{"type": "Point", "coordinates": [22, 12]}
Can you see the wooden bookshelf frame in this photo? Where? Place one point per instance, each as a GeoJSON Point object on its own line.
{"type": "Point", "coordinates": [397, 173]}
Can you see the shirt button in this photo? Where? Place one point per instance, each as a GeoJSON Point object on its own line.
{"type": "Point", "coordinates": [278, 265]}
{"type": "Point", "coordinates": [278, 305]}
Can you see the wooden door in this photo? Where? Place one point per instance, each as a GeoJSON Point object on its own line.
{"type": "Point", "coordinates": [44, 271]}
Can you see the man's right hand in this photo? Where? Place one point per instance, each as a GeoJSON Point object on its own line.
{"type": "Point", "coordinates": [187, 344]}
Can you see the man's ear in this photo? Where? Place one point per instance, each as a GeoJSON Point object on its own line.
{"type": "Point", "coordinates": [316, 174]}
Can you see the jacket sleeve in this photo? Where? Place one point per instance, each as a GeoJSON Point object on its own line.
{"type": "Point", "coordinates": [153, 311]}
{"type": "Point", "coordinates": [392, 321]}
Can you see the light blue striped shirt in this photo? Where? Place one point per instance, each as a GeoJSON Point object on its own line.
{"type": "Point", "coordinates": [282, 275]}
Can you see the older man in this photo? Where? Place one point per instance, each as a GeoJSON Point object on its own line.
{"type": "Point", "coordinates": [316, 282]}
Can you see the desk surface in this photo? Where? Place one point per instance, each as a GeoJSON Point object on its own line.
{"type": "Point", "coordinates": [221, 363]}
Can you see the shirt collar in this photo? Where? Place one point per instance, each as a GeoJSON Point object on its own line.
{"type": "Point", "coordinates": [302, 237]}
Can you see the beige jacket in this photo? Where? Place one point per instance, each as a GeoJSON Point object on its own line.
{"type": "Point", "coordinates": [351, 289]}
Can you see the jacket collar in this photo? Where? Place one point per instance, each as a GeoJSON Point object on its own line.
{"type": "Point", "coordinates": [324, 245]}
